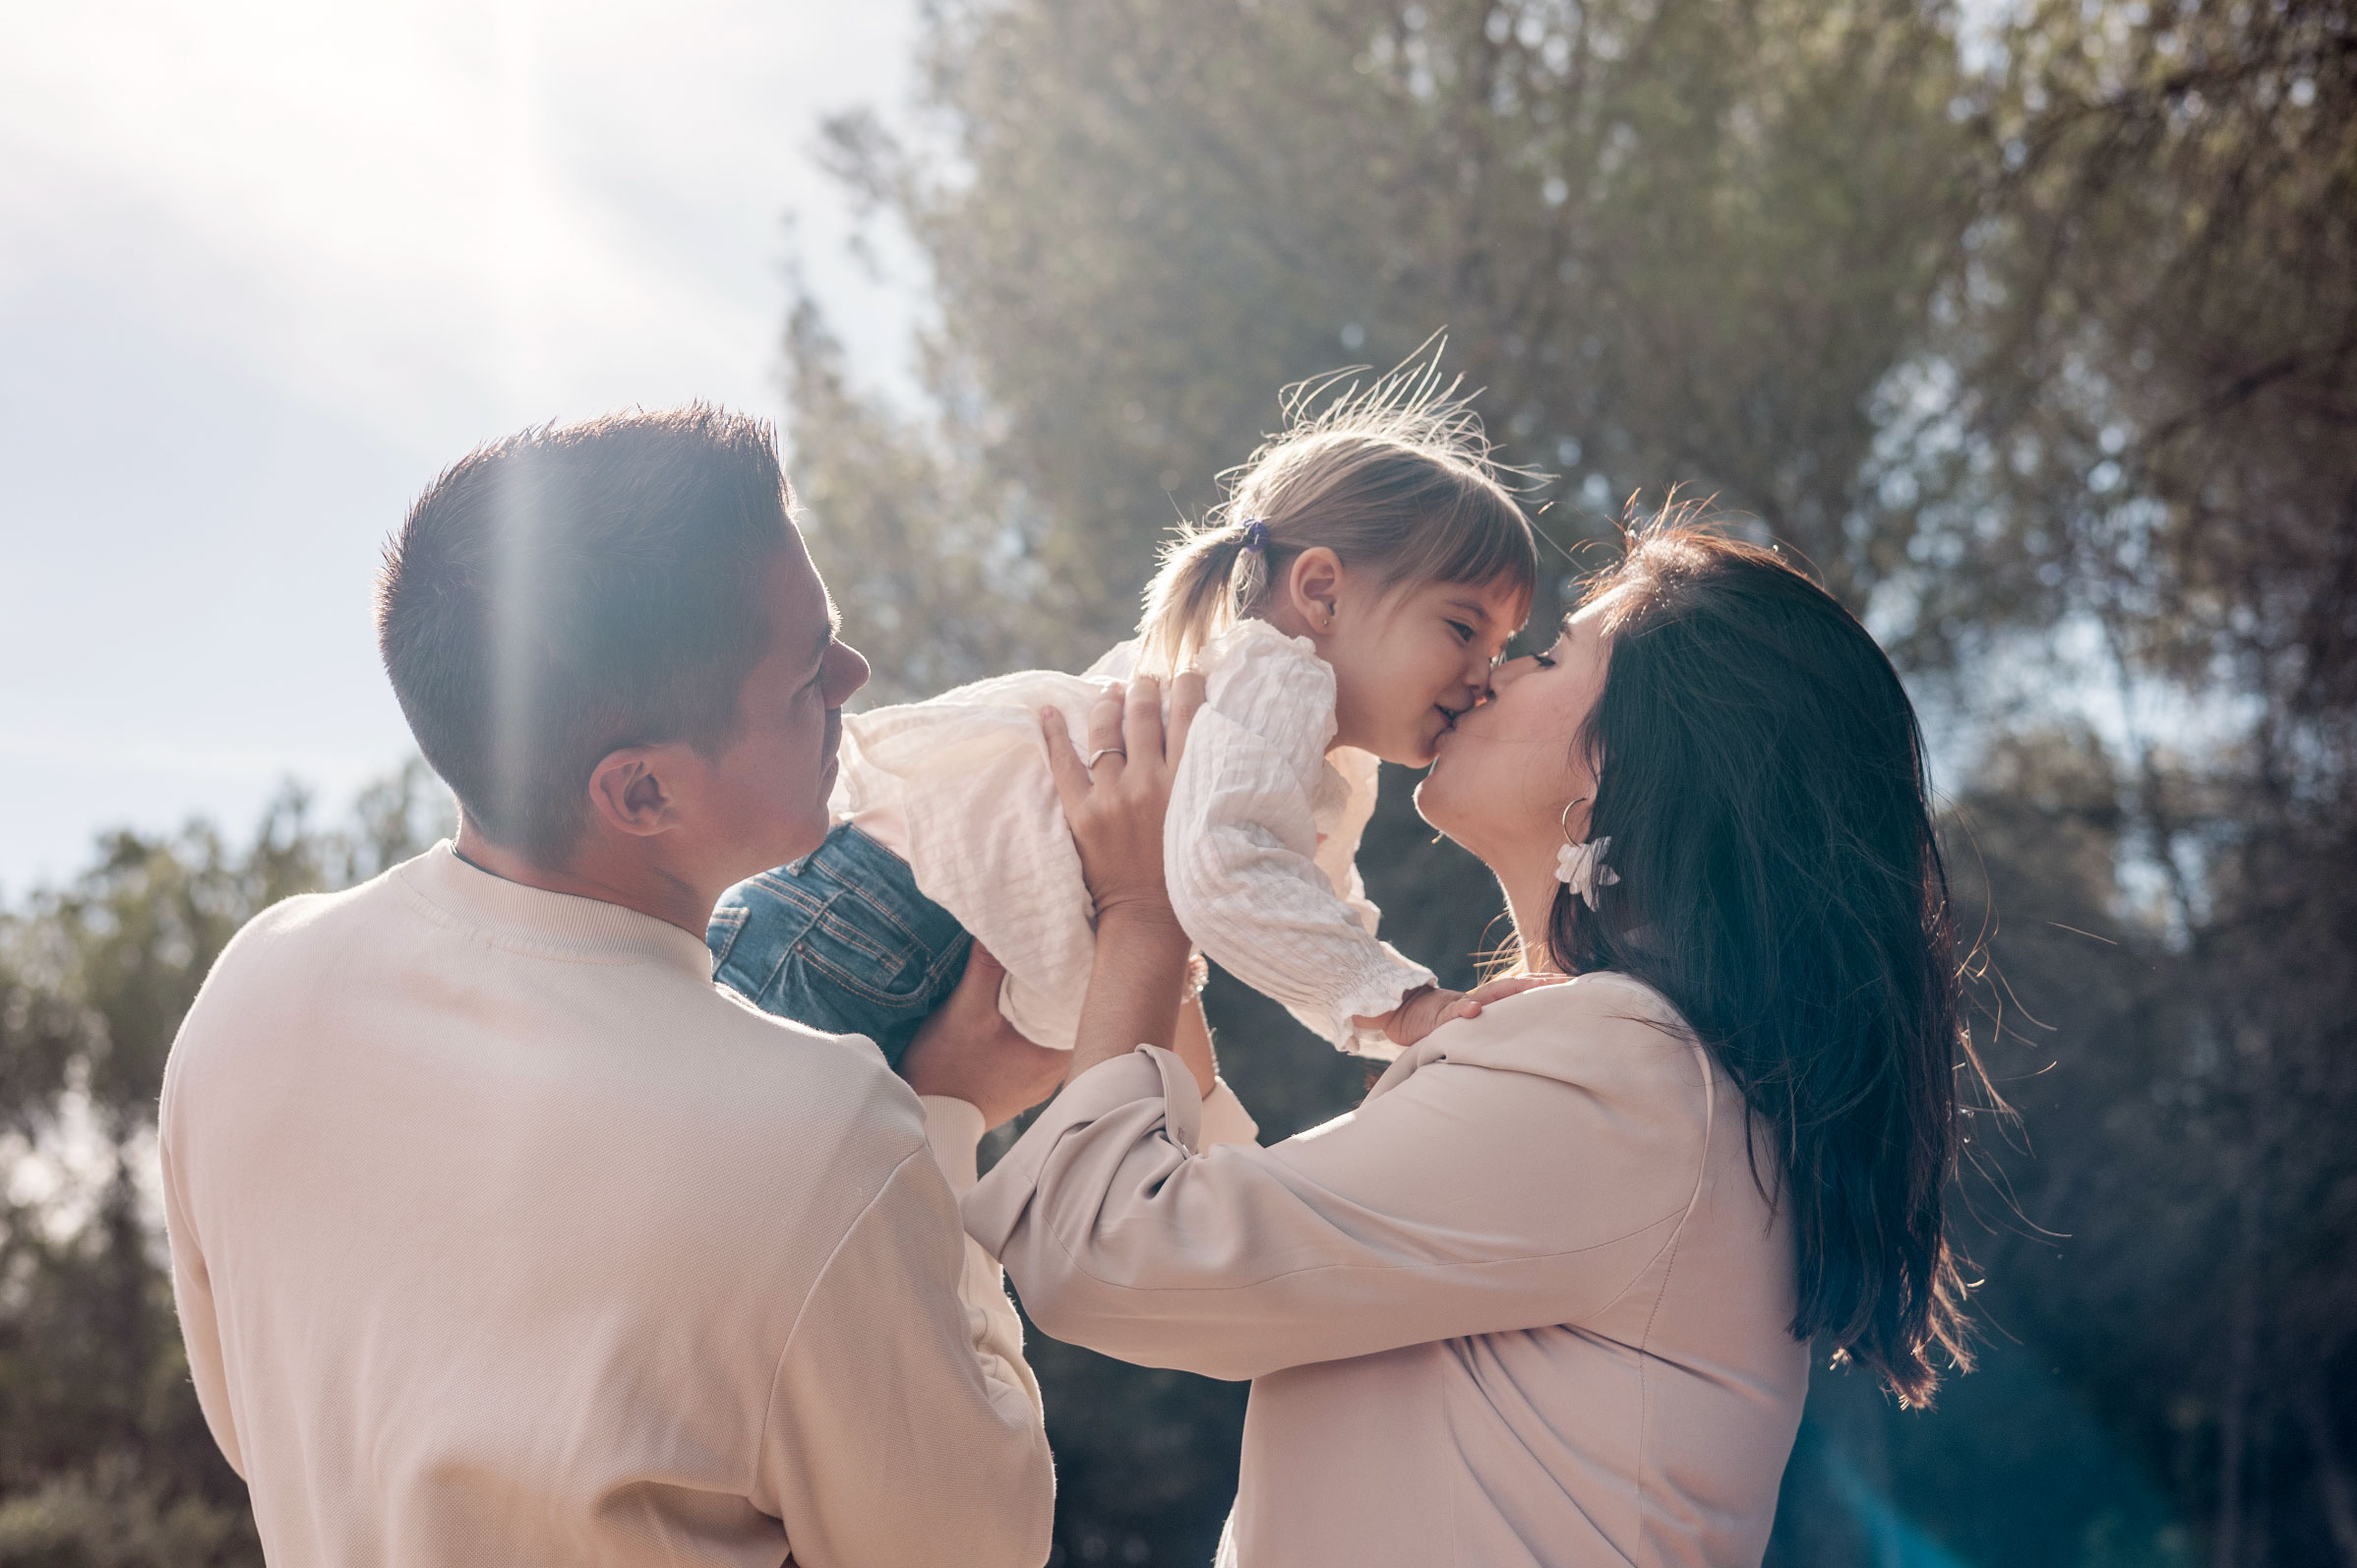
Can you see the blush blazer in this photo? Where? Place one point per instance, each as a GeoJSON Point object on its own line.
{"type": "Point", "coordinates": [1529, 1303]}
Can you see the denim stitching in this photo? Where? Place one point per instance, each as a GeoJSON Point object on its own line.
{"type": "Point", "coordinates": [815, 888]}
{"type": "Point", "coordinates": [951, 953]}
{"type": "Point", "coordinates": [801, 904]}
{"type": "Point", "coordinates": [889, 915]}
{"type": "Point", "coordinates": [850, 935]}
{"type": "Point", "coordinates": [853, 983]}
{"type": "Point", "coordinates": [731, 916]}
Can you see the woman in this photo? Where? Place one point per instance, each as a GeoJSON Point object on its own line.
{"type": "Point", "coordinates": [1547, 1296]}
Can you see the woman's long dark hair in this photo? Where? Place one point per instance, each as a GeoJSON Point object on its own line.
{"type": "Point", "coordinates": [1762, 778]}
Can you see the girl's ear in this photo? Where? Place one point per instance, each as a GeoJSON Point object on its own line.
{"type": "Point", "coordinates": [1313, 588]}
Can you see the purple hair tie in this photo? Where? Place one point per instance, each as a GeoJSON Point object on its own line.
{"type": "Point", "coordinates": [1256, 534]}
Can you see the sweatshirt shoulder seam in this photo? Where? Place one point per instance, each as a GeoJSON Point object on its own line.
{"type": "Point", "coordinates": [777, 1370]}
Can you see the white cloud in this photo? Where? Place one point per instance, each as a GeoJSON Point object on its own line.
{"type": "Point", "coordinates": [512, 210]}
{"type": "Point", "coordinates": [264, 266]}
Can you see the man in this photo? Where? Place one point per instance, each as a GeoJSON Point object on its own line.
{"type": "Point", "coordinates": [498, 1234]}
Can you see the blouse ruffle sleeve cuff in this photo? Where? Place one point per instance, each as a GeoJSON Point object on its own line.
{"type": "Point", "coordinates": [1371, 995]}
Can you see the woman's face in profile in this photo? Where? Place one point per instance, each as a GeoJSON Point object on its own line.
{"type": "Point", "coordinates": [1506, 772]}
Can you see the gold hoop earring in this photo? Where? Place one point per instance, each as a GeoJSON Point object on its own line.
{"type": "Point", "coordinates": [1564, 821]}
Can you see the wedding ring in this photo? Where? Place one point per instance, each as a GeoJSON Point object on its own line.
{"type": "Point", "coordinates": [1103, 750]}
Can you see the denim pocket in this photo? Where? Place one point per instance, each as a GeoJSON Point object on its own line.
{"type": "Point", "coordinates": [840, 939]}
{"type": "Point", "coordinates": [853, 942]}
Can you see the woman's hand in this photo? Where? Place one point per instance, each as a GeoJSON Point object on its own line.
{"type": "Point", "coordinates": [1115, 808]}
{"type": "Point", "coordinates": [1114, 797]}
{"type": "Point", "coordinates": [966, 1049]}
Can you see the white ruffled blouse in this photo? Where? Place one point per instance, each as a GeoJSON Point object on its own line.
{"type": "Point", "coordinates": [1260, 847]}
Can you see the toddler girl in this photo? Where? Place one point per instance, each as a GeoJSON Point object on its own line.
{"type": "Point", "coordinates": [1346, 604]}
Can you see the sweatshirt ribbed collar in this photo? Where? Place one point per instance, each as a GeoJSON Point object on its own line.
{"type": "Point", "coordinates": [547, 924]}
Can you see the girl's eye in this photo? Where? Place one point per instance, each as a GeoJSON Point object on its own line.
{"type": "Point", "coordinates": [1544, 661]}
{"type": "Point", "coordinates": [1464, 632]}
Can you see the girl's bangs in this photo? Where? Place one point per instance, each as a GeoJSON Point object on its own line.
{"type": "Point", "coordinates": [1483, 540]}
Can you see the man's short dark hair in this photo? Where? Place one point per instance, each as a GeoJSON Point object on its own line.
{"type": "Point", "coordinates": [570, 590]}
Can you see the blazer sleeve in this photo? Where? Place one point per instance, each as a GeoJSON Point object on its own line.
{"type": "Point", "coordinates": [1470, 1198]}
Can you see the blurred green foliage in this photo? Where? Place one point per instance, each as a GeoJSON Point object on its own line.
{"type": "Point", "coordinates": [105, 1461]}
{"type": "Point", "coordinates": [2033, 327]}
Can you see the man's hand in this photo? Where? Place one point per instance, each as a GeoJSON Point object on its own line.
{"type": "Point", "coordinates": [966, 1049]}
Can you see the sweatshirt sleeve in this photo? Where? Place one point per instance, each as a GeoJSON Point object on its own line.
{"type": "Point", "coordinates": [1467, 1199]}
{"type": "Point", "coordinates": [902, 1416]}
{"type": "Point", "coordinates": [953, 1130]}
{"type": "Point", "coordinates": [191, 1288]}
{"type": "Point", "coordinates": [1241, 843]}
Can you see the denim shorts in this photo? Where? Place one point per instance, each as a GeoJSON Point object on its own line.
{"type": "Point", "coordinates": [840, 941]}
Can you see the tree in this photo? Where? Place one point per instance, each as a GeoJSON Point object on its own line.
{"type": "Point", "coordinates": [2155, 439]}
{"type": "Point", "coordinates": [1678, 243]}
{"type": "Point", "coordinates": [2032, 330]}
{"type": "Point", "coordinates": [2035, 330]}
{"type": "Point", "coordinates": [104, 1457]}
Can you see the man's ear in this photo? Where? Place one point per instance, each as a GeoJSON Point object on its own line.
{"type": "Point", "coordinates": [1313, 585]}
{"type": "Point", "coordinates": [633, 789]}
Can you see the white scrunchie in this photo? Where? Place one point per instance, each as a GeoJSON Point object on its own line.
{"type": "Point", "coordinates": [1581, 869]}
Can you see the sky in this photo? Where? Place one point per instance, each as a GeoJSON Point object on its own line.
{"type": "Point", "coordinates": [267, 268]}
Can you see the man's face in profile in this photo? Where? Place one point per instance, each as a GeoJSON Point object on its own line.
{"type": "Point", "coordinates": [769, 788]}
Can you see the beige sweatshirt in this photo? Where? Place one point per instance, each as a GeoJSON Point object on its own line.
{"type": "Point", "coordinates": [501, 1235]}
{"type": "Point", "coordinates": [1525, 1306]}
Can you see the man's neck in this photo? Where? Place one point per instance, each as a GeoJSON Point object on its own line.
{"type": "Point", "coordinates": [632, 884]}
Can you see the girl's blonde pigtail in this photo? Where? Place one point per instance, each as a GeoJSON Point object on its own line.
{"type": "Point", "coordinates": [1206, 575]}
{"type": "Point", "coordinates": [1248, 577]}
